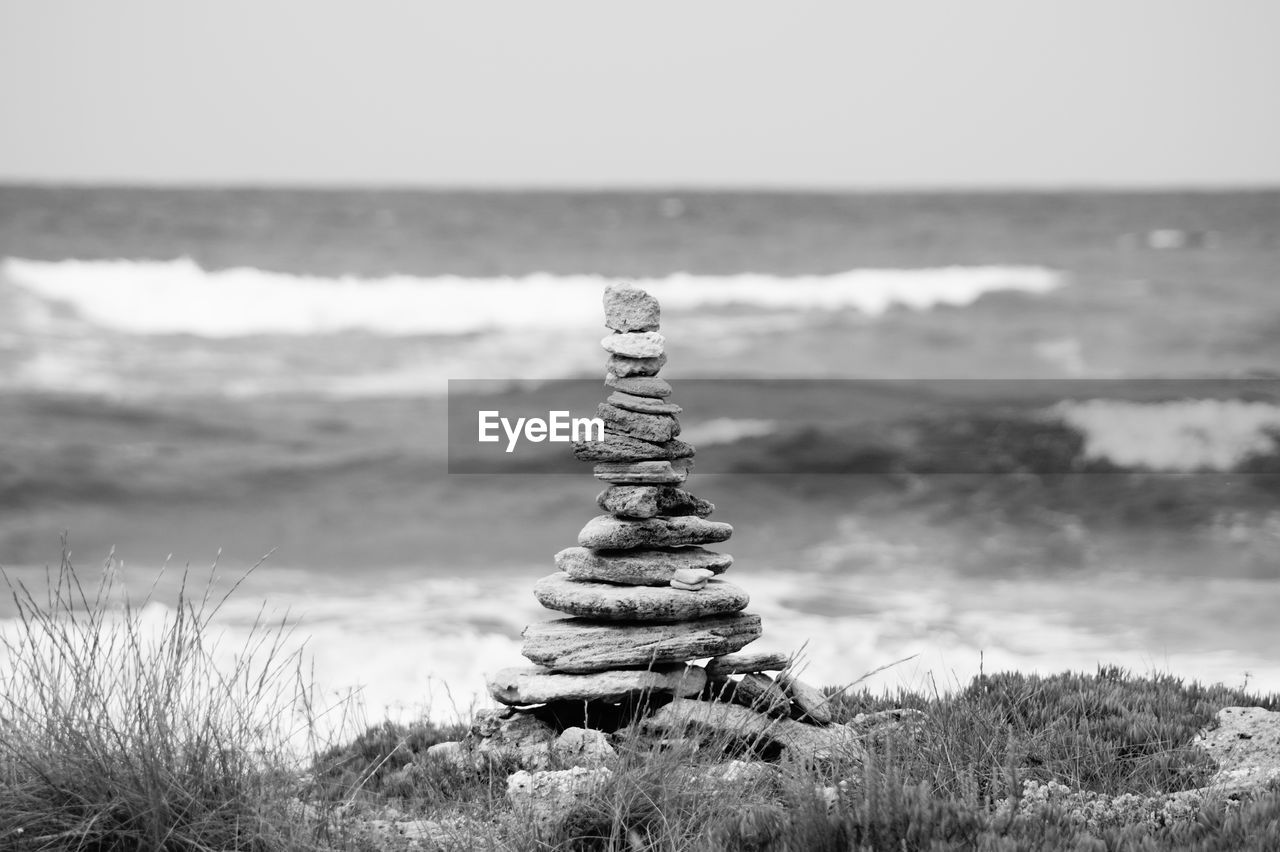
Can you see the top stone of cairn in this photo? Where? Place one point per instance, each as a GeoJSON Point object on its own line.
{"type": "Point", "coordinates": [628, 308]}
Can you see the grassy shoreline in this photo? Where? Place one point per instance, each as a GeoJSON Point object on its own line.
{"type": "Point", "coordinates": [122, 735]}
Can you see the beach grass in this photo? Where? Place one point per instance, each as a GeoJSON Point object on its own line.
{"type": "Point", "coordinates": [123, 729]}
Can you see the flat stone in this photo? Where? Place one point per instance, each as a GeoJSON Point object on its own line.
{"type": "Point", "coordinates": [643, 404]}
{"type": "Point", "coordinates": [639, 385]}
{"type": "Point", "coordinates": [526, 685]}
{"type": "Point", "coordinates": [642, 501]}
{"type": "Point", "coordinates": [623, 448]}
{"type": "Point", "coordinates": [671, 472]}
{"type": "Point", "coordinates": [638, 567]}
{"type": "Point", "coordinates": [719, 721]}
{"type": "Point", "coordinates": [611, 602]}
{"type": "Point", "coordinates": [624, 367]}
{"type": "Point", "coordinates": [687, 587]}
{"type": "Point", "coordinates": [635, 344]}
{"type": "Point", "coordinates": [747, 662]}
{"type": "Point", "coordinates": [761, 694]}
{"type": "Point", "coordinates": [656, 428]}
{"type": "Point", "coordinates": [692, 575]}
{"type": "Point", "coordinates": [809, 702]}
{"type": "Point", "coordinates": [605, 532]}
{"type": "Point", "coordinates": [583, 645]}
{"type": "Point", "coordinates": [629, 308]}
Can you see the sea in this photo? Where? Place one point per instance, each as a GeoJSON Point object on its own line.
{"type": "Point", "coordinates": [250, 387]}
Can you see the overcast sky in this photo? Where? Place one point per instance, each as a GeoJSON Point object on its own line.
{"type": "Point", "coordinates": [804, 93]}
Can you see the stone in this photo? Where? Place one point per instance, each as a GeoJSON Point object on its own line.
{"type": "Point", "coordinates": [639, 385]}
{"type": "Point", "coordinates": [638, 567]}
{"type": "Point", "coordinates": [521, 739]}
{"type": "Point", "coordinates": [1245, 743]}
{"type": "Point", "coordinates": [629, 308]}
{"type": "Point", "coordinates": [808, 702]}
{"type": "Point", "coordinates": [528, 685]}
{"type": "Point", "coordinates": [635, 344]}
{"type": "Point", "coordinates": [582, 645]}
{"type": "Point", "coordinates": [656, 428]}
{"type": "Point", "coordinates": [610, 602]}
{"type": "Point", "coordinates": [692, 576]}
{"type": "Point", "coordinates": [453, 754]}
{"type": "Point", "coordinates": [642, 404]}
{"type": "Point", "coordinates": [747, 662]}
{"type": "Point", "coordinates": [639, 501]}
{"type": "Point", "coordinates": [624, 367]}
{"type": "Point", "coordinates": [605, 532]}
{"type": "Point", "coordinates": [665, 472]}
{"type": "Point", "coordinates": [622, 448]}
{"type": "Point", "coordinates": [761, 694]}
{"type": "Point", "coordinates": [721, 721]}
{"type": "Point", "coordinates": [687, 587]}
{"type": "Point", "coordinates": [550, 798]}
{"type": "Point", "coordinates": [582, 747]}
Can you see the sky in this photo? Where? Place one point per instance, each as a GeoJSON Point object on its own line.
{"type": "Point", "coordinates": [824, 94]}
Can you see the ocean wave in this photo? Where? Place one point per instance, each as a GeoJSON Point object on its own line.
{"type": "Point", "coordinates": [1177, 436]}
{"type": "Point", "coordinates": [179, 297]}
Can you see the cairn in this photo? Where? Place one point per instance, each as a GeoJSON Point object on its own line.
{"type": "Point", "coordinates": [642, 595]}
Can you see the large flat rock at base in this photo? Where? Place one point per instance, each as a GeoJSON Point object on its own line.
{"type": "Point", "coordinates": [635, 344]}
{"type": "Point", "coordinates": [638, 567]}
{"type": "Point", "coordinates": [731, 721]}
{"type": "Point", "coordinates": [584, 645]}
{"type": "Point", "coordinates": [609, 602]}
{"type": "Point", "coordinates": [526, 685]}
{"type": "Point", "coordinates": [641, 501]}
{"type": "Point", "coordinates": [644, 473]}
{"type": "Point", "coordinates": [605, 532]}
{"type": "Point", "coordinates": [623, 448]}
{"type": "Point", "coordinates": [624, 367]}
{"type": "Point", "coordinates": [650, 386]}
{"type": "Point", "coordinates": [655, 428]}
{"type": "Point", "coordinates": [629, 308]}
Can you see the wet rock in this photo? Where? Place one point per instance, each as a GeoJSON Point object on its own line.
{"type": "Point", "coordinates": [605, 532]}
{"type": "Point", "coordinates": [635, 344]}
{"type": "Point", "coordinates": [638, 567]}
{"type": "Point", "coordinates": [643, 404]}
{"type": "Point", "coordinates": [528, 685]}
{"type": "Point", "coordinates": [639, 385]}
{"type": "Point", "coordinates": [644, 473]}
{"type": "Point", "coordinates": [640, 501]}
{"type": "Point", "coordinates": [808, 702]}
{"type": "Point", "coordinates": [746, 662]}
{"type": "Point", "coordinates": [622, 448]}
{"type": "Point", "coordinates": [629, 308]}
{"type": "Point", "coordinates": [624, 367]}
{"type": "Point", "coordinates": [581, 645]}
{"type": "Point", "coordinates": [610, 602]}
{"type": "Point", "coordinates": [655, 428]}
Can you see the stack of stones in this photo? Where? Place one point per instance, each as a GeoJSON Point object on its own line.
{"type": "Point", "coordinates": [642, 593]}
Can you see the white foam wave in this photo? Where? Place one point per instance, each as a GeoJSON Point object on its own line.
{"type": "Point", "coordinates": [179, 297]}
{"type": "Point", "coordinates": [1179, 436]}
